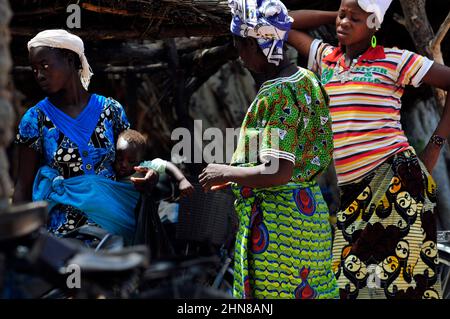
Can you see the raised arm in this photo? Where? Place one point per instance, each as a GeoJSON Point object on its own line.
{"type": "Point", "coordinates": [305, 20]}
{"type": "Point", "coordinates": [438, 76]}
{"type": "Point", "coordinates": [311, 19]}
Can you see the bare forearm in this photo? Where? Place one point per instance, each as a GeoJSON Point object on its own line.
{"type": "Point", "coordinates": [439, 76]}
{"type": "Point", "coordinates": [430, 154]}
{"type": "Point", "coordinates": [255, 177]}
{"type": "Point", "coordinates": [311, 19]}
{"type": "Point", "coordinates": [443, 128]}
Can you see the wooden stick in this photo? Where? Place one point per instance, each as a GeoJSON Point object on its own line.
{"type": "Point", "coordinates": [110, 69]}
{"type": "Point", "coordinates": [440, 35]}
{"type": "Point", "coordinates": [136, 69]}
{"type": "Point", "coordinates": [399, 19]}
{"type": "Point", "coordinates": [39, 12]}
{"type": "Point", "coordinates": [98, 34]}
{"type": "Point", "coordinates": [435, 47]}
{"type": "Point", "coordinates": [100, 9]}
{"type": "Point", "coordinates": [164, 33]}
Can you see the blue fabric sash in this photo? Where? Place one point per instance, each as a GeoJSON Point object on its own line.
{"type": "Point", "coordinates": [80, 129]}
{"type": "Point", "coordinates": [107, 203]}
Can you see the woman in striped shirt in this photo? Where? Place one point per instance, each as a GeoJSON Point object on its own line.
{"type": "Point", "coordinates": [385, 239]}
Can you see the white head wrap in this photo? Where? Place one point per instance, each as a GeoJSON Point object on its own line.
{"type": "Point", "coordinates": [377, 7]}
{"type": "Point", "coordinates": [62, 39]}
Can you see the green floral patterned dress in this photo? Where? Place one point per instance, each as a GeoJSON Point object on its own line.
{"type": "Point", "coordinates": [283, 246]}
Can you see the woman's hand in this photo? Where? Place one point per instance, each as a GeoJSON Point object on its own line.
{"type": "Point", "coordinates": [213, 174]}
{"type": "Point", "coordinates": [430, 156]}
{"type": "Point", "coordinates": [186, 188]}
{"type": "Point", "coordinates": [146, 183]}
{"type": "Point", "coordinates": [255, 177]}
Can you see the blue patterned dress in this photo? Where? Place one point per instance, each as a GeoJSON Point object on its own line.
{"type": "Point", "coordinates": [60, 152]}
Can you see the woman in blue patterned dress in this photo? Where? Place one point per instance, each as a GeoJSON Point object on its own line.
{"type": "Point", "coordinates": [71, 130]}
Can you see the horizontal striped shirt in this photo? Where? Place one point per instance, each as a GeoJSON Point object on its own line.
{"type": "Point", "coordinates": [365, 103]}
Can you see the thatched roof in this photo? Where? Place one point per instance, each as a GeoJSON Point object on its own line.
{"type": "Point", "coordinates": [112, 19]}
{"type": "Point", "coordinates": [131, 19]}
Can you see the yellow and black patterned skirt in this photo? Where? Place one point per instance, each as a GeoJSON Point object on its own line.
{"type": "Point", "coordinates": [385, 237]}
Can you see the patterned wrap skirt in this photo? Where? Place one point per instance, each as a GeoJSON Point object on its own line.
{"type": "Point", "coordinates": [283, 245]}
{"type": "Point", "coordinates": [385, 237]}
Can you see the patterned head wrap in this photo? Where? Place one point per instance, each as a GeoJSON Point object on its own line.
{"type": "Point", "coordinates": [265, 20]}
{"type": "Point", "coordinates": [62, 39]}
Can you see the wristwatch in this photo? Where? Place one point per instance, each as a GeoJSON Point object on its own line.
{"type": "Point", "coordinates": [438, 140]}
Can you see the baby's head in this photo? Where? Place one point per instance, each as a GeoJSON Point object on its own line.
{"type": "Point", "coordinates": [130, 150]}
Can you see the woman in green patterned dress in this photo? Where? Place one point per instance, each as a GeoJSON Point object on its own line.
{"type": "Point", "coordinates": [283, 246]}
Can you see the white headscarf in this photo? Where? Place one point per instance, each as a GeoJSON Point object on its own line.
{"type": "Point", "coordinates": [62, 39]}
{"type": "Point", "coordinates": [377, 7]}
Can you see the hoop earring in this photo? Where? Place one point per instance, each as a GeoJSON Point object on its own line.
{"type": "Point", "coordinates": [373, 41]}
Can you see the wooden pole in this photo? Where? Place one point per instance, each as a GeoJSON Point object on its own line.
{"type": "Point", "coordinates": [6, 113]}
{"type": "Point", "coordinates": [116, 34]}
{"type": "Point", "coordinates": [426, 43]}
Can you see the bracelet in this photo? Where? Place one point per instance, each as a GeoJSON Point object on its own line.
{"type": "Point", "coordinates": [437, 140]}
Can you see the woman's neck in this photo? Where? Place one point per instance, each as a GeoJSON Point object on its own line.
{"type": "Point", "coordinates": [354, 51]}
{"type": "Point", "coordinates": [71, 99]}
{"type": "Point", "coordinates": [284, 69]}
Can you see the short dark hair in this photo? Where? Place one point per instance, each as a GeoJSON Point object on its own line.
{"type": "Point", "coordinates": [243, 40]}
{"type": "Point", "coordinates": [246, 40]}
{"type": "Point", "coordinates": [135, 139]}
